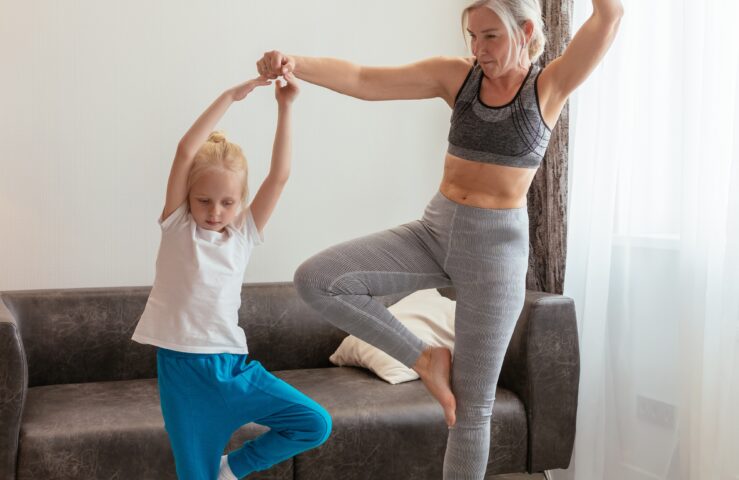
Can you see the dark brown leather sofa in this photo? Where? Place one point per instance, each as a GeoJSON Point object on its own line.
{"type": "Point", "coordinates": [78, 398]}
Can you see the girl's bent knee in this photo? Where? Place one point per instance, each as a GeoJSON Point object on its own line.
{"type": "Point", "coordinates": [323, 424]}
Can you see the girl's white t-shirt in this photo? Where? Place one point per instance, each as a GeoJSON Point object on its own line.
{"type": "Point", "coordinates": [194, 302]}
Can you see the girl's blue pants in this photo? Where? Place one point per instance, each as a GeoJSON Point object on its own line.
{"type": "Point", "coordinates": [206, 397]}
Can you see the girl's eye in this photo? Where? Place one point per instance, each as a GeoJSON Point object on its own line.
{"type": "Point", "coordinates": [490, 36]}
{"type": "Point", "coordinates": [228, 204]}
{"type": "Point", "coordinates": [202, 200]}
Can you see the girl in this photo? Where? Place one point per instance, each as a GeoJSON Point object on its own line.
{"type": "Point", "coordinates": [474, 232]}
{"type": "Point", "coordinates": [208, 385]}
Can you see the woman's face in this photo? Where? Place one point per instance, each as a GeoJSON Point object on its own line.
{"type": "Point", "coordinates": [490, 42]}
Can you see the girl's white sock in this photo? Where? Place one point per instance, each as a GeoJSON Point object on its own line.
{"type": "Point", "coordinates": [225, 473]}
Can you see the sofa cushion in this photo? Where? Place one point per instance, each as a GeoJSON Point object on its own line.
{"type": "Point", "coordinates": [106, 430]}
{"type": "Point", "coordinates": [425, 313]}
{"type": "Point", "coordinates": [394, 431]}
{"type": "Point", "coordinates": [116, 430]}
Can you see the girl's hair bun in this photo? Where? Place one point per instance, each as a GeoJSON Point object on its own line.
{"type": "Point", "coordinates": [217, 137]}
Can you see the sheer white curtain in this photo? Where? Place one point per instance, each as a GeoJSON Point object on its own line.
{"type": "Point", "coordinates": [653, 246]}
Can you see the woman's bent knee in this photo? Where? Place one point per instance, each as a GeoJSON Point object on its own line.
{"type": "Point", "coordinates": [310, 283]}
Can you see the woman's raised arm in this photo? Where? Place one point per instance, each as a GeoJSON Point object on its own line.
{"type": "Point", "coordinates": [429, 78]}
{"type": "Point", "coordinates": [591, 42]}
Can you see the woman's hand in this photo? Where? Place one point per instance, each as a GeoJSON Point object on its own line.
{"type": "Point", "coordinates": [239, 92]}
{"type": "Point", "coordinates": [274, 64]}
{"type": "Point", "coordinates": [285, 94]}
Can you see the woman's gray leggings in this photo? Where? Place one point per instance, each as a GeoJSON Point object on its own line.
{"type": "Point", "coordinates": [483, 253]}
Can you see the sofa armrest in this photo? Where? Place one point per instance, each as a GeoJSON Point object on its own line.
{"type": "Point", "coordinates": [542, 367]}
{"type": "Point", "coordinates": [13, 388]}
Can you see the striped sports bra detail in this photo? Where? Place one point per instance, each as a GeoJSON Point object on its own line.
{"type": "Point", "coordinates": [514, 134]}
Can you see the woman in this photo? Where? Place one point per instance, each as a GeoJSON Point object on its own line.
{"type": "Point", "coordinates": [474, 232]}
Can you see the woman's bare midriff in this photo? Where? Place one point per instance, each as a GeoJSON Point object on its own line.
{"type": "Point", "coordinates": [485, 185]}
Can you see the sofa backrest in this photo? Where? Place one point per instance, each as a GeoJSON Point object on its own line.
{"type": "Point", "coordinates": [84, 335]}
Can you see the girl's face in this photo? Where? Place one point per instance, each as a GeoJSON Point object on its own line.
{"type": "Point", "coordinates": [215, 197]}
{"type": "Point", "coordinates": [490, 42]}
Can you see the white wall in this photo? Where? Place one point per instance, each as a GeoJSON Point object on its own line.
{"type": "Point", "coordinates": [94, 96]}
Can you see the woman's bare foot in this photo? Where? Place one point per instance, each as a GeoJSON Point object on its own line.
{"type": "Point", "coordinates": [434, 366]}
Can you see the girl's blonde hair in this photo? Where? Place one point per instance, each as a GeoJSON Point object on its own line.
{"type": "Point", "coordinates": [514, 14]}
{"type": "Point", "coordinates": [217, 152]}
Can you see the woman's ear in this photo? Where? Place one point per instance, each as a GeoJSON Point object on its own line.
{"type": "Point", "coordinates": [528, 30]}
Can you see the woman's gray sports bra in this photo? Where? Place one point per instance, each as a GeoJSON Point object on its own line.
{"type": "Point", "coordinates": [513, 134]}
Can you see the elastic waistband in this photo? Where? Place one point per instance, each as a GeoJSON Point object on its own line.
{"type": "Point", "coordinates": [444, 202]}
{"type": "Point", "coordinates": [175, 353]}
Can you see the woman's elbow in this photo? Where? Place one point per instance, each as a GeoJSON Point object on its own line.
{"type": "Point", "coordinates": [615, 12]}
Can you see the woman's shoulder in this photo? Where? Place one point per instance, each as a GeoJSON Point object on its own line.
{"type": "Point", "coordinates": [453, 71]}
{"type": "Point", "coordinates": [456, 66]}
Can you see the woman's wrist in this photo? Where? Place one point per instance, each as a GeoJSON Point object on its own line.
{"type": "Point", "coordinates": [296, 63]}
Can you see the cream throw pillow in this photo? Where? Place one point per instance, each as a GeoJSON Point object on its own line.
{"type": "Point", "coordinates": [426, 313]}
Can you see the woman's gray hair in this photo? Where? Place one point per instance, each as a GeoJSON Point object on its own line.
{"type": "Point", "coordinates": [513, 14]}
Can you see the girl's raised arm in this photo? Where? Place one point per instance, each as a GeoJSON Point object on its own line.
{"type": "Point", "coordinates": [194, 139]}
{"type": "Point", "coordinates": [269, 192]}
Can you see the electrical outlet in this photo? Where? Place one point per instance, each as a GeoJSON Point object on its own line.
{"type": "Point", "coordinates": [656, 412]}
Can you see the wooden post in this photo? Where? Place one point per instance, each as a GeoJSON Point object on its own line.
{"type": "Point", "coordinates": [547, 197]}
